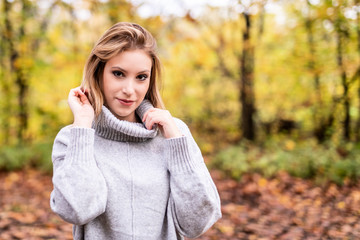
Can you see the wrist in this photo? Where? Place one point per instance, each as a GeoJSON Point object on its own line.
{"type": "Point", "coordinates": [173, 134]}
{"type": "Point", "coordinates": [85, 123]}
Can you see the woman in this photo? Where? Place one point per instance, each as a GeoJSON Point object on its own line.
{"type": "Point", "coordinates": [126, 169]}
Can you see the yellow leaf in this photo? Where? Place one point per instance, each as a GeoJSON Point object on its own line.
{"type": "Point", "coordinates": [289, 145]}
{"type": "Point", "coordinates": [228, 230]}
{"type": "Point", "coordinates": [10, 180]}
{"type": "Point", "coordinates": [262, 182]}
{"type": "Point", "coordinates": [341, 205]}
{"type": "Point", "coordinates": [318, 202]}
{"type": "Point", "coordinates": [356, 195]}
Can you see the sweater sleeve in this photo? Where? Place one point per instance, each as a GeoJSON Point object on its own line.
{"type": "Point", "coordinates": [80, 193]}
{"type": "Point", "coordinates": [194, 200]}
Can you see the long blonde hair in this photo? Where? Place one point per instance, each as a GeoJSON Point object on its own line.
{"type": "Point", "coordinates": [120, 37]}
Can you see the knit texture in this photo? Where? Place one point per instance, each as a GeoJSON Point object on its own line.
{"type": "Point", "coordinates": [119, 181]}
{"type": "Point", "coordinates": [108, 126]}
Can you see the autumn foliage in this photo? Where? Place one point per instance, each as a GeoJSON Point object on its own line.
{"type": "Point", "coordinates": [269, 88]}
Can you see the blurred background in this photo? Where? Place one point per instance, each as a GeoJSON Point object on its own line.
{"type": "Point", "coordinates": [267, 87]}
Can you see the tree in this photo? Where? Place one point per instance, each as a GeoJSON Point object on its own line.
{"type": "Point", "coordinates": [7, 47]}
{"type": "Point", "coordinates": [247, 96]}
{"type": "Point", "coordinates": [342, 35]}
{"type": "Point", "coordinates": [357, 74]}
{"type": "Point", "coordinates": [322, 121]}
{"type": "Point", "coordinates": [21, 43]}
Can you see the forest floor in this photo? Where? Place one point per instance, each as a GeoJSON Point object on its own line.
{"type": "Point", "coordinates": [253, 208]}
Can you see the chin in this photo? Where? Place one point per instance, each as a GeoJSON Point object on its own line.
{"type": "Point", "coordinates": [124, 115]}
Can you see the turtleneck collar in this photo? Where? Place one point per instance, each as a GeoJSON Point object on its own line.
{"type": "Point", "coordinates": [110, 127]}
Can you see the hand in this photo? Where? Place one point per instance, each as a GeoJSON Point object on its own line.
{"type": "Point", "coordinates": [165, 121]}
{"type": "Point", "coordinates": [81, 108]}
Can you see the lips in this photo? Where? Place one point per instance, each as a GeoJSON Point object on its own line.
{"type": "Point", "coordinates": [125, 102]}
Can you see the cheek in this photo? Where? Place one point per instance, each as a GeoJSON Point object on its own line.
{"type": "Point", "coordinates": [110, 83]}
{"type": "Point", "coordinates": [145, 88]}
{"type": "Point", "coordinates": [104, 82]}
{"type": "Point", "coordinates": [107, 87]}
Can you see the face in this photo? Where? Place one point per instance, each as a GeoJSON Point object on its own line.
{"type": "Point", "coordinates": [126, 81]}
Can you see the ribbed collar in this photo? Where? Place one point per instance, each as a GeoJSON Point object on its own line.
{"type": "Point", "coordinates": [109, 127]}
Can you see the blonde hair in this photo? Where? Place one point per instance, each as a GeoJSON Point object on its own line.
{"type": "Point", "coordinates": [120, 37]}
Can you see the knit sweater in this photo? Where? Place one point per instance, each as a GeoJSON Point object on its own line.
{"type": "Point", "coordinates": [118, 180]}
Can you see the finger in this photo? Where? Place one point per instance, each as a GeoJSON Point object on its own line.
{"type": "Point", "coordinates": [73, 94]}
{"type": "Point", "coordinates": [76, 95]}
{"type": "Point", "coordinates": [75, 91]}
{"type": "Point", "coordinates": [154, 119]}
{"type": "Point", "coordinates": [86, 92]}
{"type": "Point", "coordinates": [148, 120]}
{"type": "Point", "coordinates": [147, 114]}
{"type": "Point", "coordinates": [83, 97]}
{"type": "Point", "coordinates": [80, 93]}
{"type": "Point", "coordinates": [150, 123]}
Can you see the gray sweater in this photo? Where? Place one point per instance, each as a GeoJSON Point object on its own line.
{"type": "Point", "coordinates": [120, 181]}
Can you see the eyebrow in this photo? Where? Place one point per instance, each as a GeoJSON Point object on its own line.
{"type": "Point", "coordinates": [123, 70]}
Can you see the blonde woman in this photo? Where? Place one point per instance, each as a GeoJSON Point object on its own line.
{"type": "Point", "coordinates": [125, 168]}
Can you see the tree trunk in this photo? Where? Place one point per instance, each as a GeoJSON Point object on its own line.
{"type": "Point", "coordinates": [357, 131]}
{"type": "Point", "coordinates": [6, 93]}
{"type": "Point", "coordinates": [247, 97]}
{"type": "Point", "coordinates": [311, 64]}
{"type": "Point", "coordinates": [23, 87]}
{"type": "Point", "coordinates": [8, 56]}
{"type": "Point", "coordinates": [17, 79]}
{"type": "Point", "coordinates": [345, 85]}
{"type": "Point", "coordinates": [16, 70]}
{"type": "Point", "coordinates": [321, 123]}
{"type": "Point", "coordinates": [21, 81]}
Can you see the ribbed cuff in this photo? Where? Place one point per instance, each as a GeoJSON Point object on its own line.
{"type": "Point", "coordinates": [180, 158]}
{"type": "Point", "coordinates": [81, 145]}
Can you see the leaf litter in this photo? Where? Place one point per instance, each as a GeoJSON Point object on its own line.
{"type": "Point", "coordinates": [279, 208]}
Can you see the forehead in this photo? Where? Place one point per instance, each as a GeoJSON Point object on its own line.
{"type": "Point", "coordinates": [131, 60]}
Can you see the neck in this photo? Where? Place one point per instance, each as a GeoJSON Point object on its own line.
{"type": "Point", "coordinates": [130, 118]}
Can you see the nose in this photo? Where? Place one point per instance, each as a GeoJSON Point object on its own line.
{"type": "Point", "coordinates": [128, 87]}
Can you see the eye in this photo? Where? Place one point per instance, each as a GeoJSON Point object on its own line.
{"type": "Point", "coordinates": [142, 77]}
{"type": "Point", "coordinates": [118, 73]}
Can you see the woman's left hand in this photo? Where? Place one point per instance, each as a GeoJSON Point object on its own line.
{"type": "Point", "coordinates": [165, 121]}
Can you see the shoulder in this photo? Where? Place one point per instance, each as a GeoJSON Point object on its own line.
{"type": "Point", "coordinates": [60, 143]}
{"type": "Point", "coordinates": [63, 135]}
{"type": "Point", "coordinates": [179, 122]}
{"type": "Point", "coordinates": [182, 126]}
{"type": "Point", "coordinates": [72, 132]}
{"type": "Point", "coordinates": [64, 131]}
{"type": "Point", "coordinates": [184, 129]}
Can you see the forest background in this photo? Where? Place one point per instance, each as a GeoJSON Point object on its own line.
{"type": "Point", "coordinates": [265, 85]}
{"type": "Point", "coordinates": [269, 88]}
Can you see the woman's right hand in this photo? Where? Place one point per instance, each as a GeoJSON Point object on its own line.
{"type": "Point", "coordinates": [81, 108]}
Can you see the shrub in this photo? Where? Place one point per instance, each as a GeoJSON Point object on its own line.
{"type": "Point", "coordinates": [20, 156]}
{"type": "Point", "coordinates": [309, 160]}
{"type": "Point", "coordinates": [233, 161]}
{"type": "Point", "coordinates": [14, 157]}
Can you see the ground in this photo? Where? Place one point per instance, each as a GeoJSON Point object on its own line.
{"type": "Point", "coordinates": [253, 208]}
